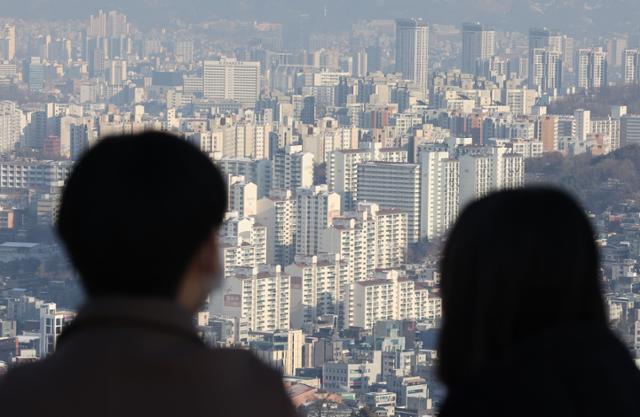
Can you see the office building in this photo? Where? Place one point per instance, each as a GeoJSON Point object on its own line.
{"type": "Point", "coordinates": [392, 185]}
{"type": "Point", "coordinates": [33, 174]}
{"type": "Point", "coordinates": [630, 130]}
{"type": "Point", "coordinates": [282, 350]}
{"type": "Point", "coordinates": [341, 376]}
{"type": "Point", "coordinates": [34, 74]}
{"type": "Point", "coordinates": [231, 80]}
{"type": "Point", "coordinates": [342, 167]}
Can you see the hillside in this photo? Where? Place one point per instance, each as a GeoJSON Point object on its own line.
{"type": "Point", "coordinates": [601, 102]}
{"type": "Point", "coordinates": [599, 182]}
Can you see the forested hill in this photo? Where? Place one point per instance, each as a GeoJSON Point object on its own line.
{"type": "Point", "coordinates": [599, 182]}
{"type": "Point", "coordinates": [600, 103]}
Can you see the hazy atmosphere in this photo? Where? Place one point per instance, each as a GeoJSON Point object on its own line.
{"type": "Point", "coordinates": [572, 16]}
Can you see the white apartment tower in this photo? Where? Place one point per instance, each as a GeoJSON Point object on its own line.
{"type": "Point", "coordinates": [316, 208]}
{"type": "Point", "coordinates": [243, 196]}
{"type": "Point", "coordinates": [412, 51]}
{"type": "Point", "coordinates": [388, 295]}
{"type": "Point", "coordinates": [52, 321]}
{"type": "Point", "coordinates": [546, 70]}
{"type": "Point", "coordinates": [476, 172]}
{"type": "Point", "coordinates": [631, 70]}
{"type": "Point", "coordinates": [292, 169]}
{"type": "Point", "coordinates": [541, 39]}
{"type": "Point", "coordinates": [8, 42]}
{"type": "Point", "coordinates": [319, 277]}
{"type": "Point", "coordinates": [10, 126]}
{"type": "Point", "coordinates": [439, 184]}
{"type": "Point", "coordinates": [229, 79]}
{"type": "Point", "coordinates": [277, 213]}
{"type": "Point", "coordinates": [592, 68]}
{"type": "Point", "coordinates": [243, 243]}
{"type": "Point", "coordinates": [262, 296]}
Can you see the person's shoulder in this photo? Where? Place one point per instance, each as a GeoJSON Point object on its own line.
{"type": "Point", "coordinates": [20, 383]}
{"type": "Point", "coordinates": [241, 362]}
{"type": "Point", "coordinates": [243, 373]}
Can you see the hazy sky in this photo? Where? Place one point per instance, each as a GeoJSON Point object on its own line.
{"type": "Point", "coordinates": [597, 16]}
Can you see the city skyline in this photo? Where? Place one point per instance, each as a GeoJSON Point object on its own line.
{"type": "Point", "coordinates": [349, 148]}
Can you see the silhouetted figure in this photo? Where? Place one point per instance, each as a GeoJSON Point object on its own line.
{"type": "Point", "coordinates": [525, 330]}
{"type": "Point", "coordinates": [139, 218]}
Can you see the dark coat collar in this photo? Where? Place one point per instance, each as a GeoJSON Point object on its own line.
{"type": "Point", "coordinates": [158, 314]}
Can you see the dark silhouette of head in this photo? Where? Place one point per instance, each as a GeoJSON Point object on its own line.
{"type": "Point", "coordinates": [515, 264]}
{"type": "Point", "coordinates": [136, 211]}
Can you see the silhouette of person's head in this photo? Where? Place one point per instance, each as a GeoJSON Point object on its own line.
{"type": "Point", "coordinates": [139, 216]}
{"type": "Point", "coordinates": [516, 263]}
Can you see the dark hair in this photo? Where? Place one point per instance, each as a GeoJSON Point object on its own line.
{"type": "Point", "coordinates": [516, 263]}
{"type": "Point", "coordinates": [134, 211]}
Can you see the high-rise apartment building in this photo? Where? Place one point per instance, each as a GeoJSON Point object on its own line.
{"type": "Point", "coordinates": [242, 196]}
{"type": "Point", "coordinates": [232, 80]}
{"type": "Point", "coordinates": [262, 296]}
{"type": "Point", "coordinates": [487, 169]}
{"type": "Point", "coordinates": [592, 68]}
{"type": "Point", "coordinates": [117, 73]}
{"type": "Point", "coordinates": [583, 124]}
{"type": "Point", "coordinates": [10, 126]}
{"type": "Point", "coordinates": [277, 212]}
{"type": "Point", "coordinates": [439, 190]}
{"type": "Point", "coordinates": [545, 70]}
{"type": "Point", "coordinates": [112, 24]}
{"type": "Point", "coordinates": [388, 296]}
{"type": "Point", "coordinates": [184, 50]}
{"type": "Point", "coordinates": [478, 46]}
{"type": "Point", "coordinates": [412, 51]}
{"type": "Point", "coordinates": [52, 322]}
{"type": "Point", "coordinates": [8, 42]}
{"type": "Point", "coordinates": [243, 243]}
{"type": "Point", "coordinates": [316, 208]}
{"type": "Point", "coordinates": [631, 69]}
{"type": "Point", "coordinates": [292, 168]}
{"type": "Point", "coordinates": [541, 38]}
{"type": "Point", "coordinates": [320, 280]}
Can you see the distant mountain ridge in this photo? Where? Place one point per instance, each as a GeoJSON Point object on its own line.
{"type": "Point", "coordinates": [573, 16]}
